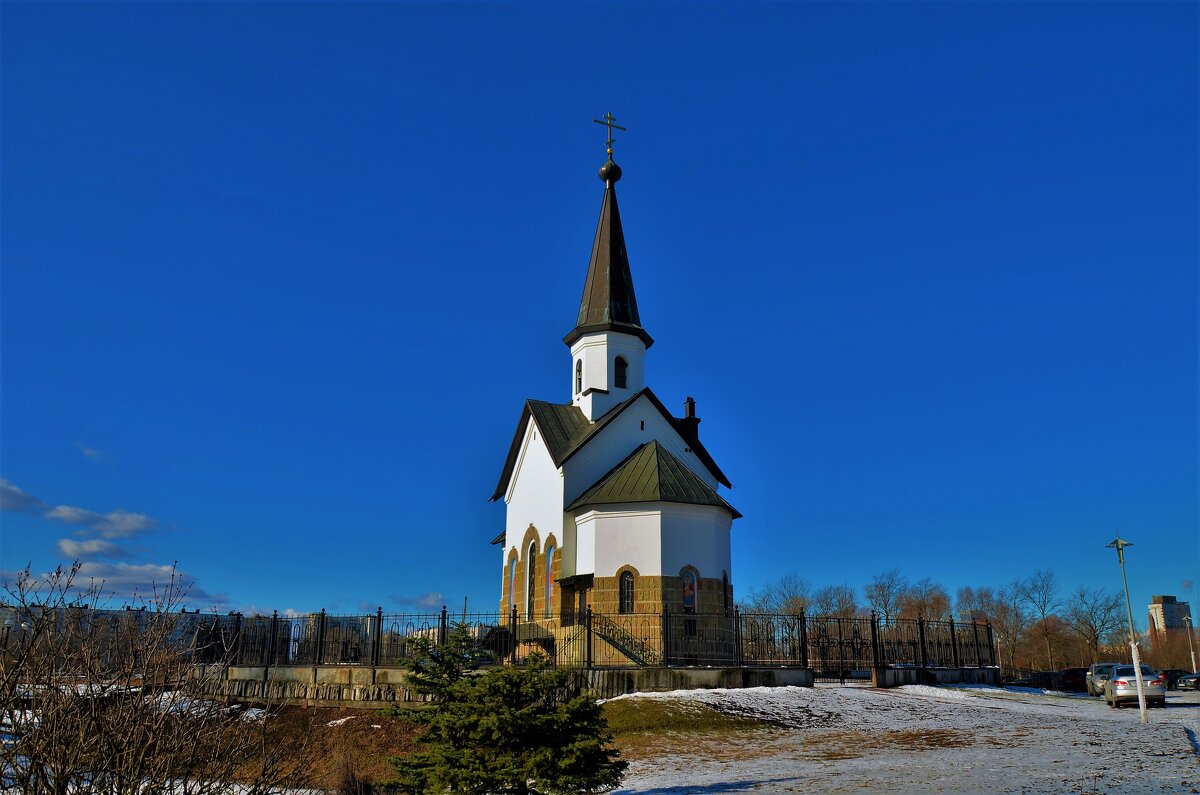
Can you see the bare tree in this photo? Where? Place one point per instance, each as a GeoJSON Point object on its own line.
{"type": "Point", "coordinates": [789, 594]}
{"type": "Point", "coordinates": [924, 599]}
{"type": "Point", "coordinates": [1009, 621]}
{"type": "Point", "coordinates": [1094, 615]}
{"type": "Point", "coordinates": [1040, 594]}
{"type": "Point", "coordinates": [100, 701]}
{"type": "Point", "coordinates": [883, 593]}
{"type": "Point", "coordinates": [836, 601]}
{"type": "Point", "coordinates": [975, 604]}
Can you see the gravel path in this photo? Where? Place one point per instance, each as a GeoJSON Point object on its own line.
{"type": "Point", "coordinates": [925, 739]}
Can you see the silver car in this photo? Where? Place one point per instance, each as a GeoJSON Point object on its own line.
{"type": "Point", "coordinates": [1097, 675]}
{"type": "Point", "coordinates": [1122, 687]}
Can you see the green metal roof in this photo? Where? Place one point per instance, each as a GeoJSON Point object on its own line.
{"type": "Point", "coordinates": [562, 426]}
{"type": "Point", "coordinates": [652, 474]}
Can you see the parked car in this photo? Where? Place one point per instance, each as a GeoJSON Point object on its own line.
{"type": "Point", "coordinates": [1073, 680]}
{"type": "Point", "coordinates": [1097, 675]}
{"type": "Point", "coordinates": [1122, 687]}
{"type": "Point", "coordinates": [1171, 676]}
{"type": "Point", "coordinates": [1188, 682]}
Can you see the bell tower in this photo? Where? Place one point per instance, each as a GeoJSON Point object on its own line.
{"type": "Point", "coordinates": [608, 344]}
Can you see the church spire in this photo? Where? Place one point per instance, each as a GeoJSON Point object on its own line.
{"type": "Point", "coordinates": [608, 302]}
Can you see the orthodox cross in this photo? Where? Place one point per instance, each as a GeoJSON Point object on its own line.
{"type": "Point", "coordinates": [608, 121]}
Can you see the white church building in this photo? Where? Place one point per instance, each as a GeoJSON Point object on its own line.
{"type": "Point", "coordinates": [611, 501]}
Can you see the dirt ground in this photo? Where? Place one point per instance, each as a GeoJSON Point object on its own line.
{"type": "Point", "coordinates": [832, 739]}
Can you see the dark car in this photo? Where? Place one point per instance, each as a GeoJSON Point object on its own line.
{"type": "Point", "coordinates": [1073, 680]}
{"type": "Point", "coordinates": [1188, 682]}
{"type": "Point", "coordinates": [1171, 676]}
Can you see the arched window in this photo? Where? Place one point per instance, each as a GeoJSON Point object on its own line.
{"type": "Point", "coordinates": [549, 578]}
{"type": "Point", "coordinates": [619, 368]}
{"type": "Point", "coordinates": [626, 603]}
{"type": "Point", "coordinates": [578, 376]}
{"type": "Point", "coordinates": [688, 580]}
{"type": "Point", "coordinates": [531, 579]}
{"type": "Point", "coordinates": [512, 583]}
{"type": "Point", "coordinates": [725, 590]}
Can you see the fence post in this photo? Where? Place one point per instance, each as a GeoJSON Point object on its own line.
{"type": "Point", "coordinates": [273, 639]}
{"type": "Point", "coordinates": [588, 648]}
{"type": "Point", "coordinates": [320, 637]}
{"type": "Point", "coordinates": [666, 636]}
{"type": "Point", "coordinates": [991, 644]}
{"type": "Point", "coordinates": [737, 635]}
{"type": "Point", "coordinates": [921, 635]}
{"type": "Point", "coordinates": [841, 653]}
{"type": "Point", "coordinates": [377, 639]}
{"type": "Point", "coordinates": [512, 628]}
{"type": "Point", "coordinates": [442, 624]}
{"type": "Point", "coordinates": [874, 640]}
{"type": "Point", "coordinates": [954, 644]}
{"type": "Point", "coordinates": [237, 640]}
{"type": "Point", "coordinates": [975, 632]}
{"type": "Point", "coordinates": [803, 640]}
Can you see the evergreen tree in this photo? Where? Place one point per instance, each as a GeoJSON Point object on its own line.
{"type": "Point", "coordinates": [522, 730]}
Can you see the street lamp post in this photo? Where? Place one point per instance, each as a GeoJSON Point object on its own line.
{"type": "Point", "coordinates": [1119, 544]}
{"type": "Point", "coordinates": [1188, 621]}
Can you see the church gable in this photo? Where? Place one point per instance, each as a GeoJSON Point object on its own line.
{"type": "Point", "coordinates": [641, 419]}
{"type": "Point", "coordinates": [566, 433]}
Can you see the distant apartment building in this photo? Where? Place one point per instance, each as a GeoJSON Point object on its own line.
{"type": "Point", "coordinates": [1167, 615]}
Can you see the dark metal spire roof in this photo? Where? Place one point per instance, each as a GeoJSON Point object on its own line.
{"type": "Point", "coordinates": [609, 303]}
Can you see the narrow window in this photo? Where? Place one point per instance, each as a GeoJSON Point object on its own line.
{"type": "Point", "coordinates": [619, 368]}
{"type": "Point", "coordinates": [688, 580]}
{"type": "Point", "coordinates": [578, 376]}
{"type": "Point", "coordinates": [549, 578]}
{"type": "Point", "coordinates": [725, 590]}
{"type": "Point", "coordinates": [531, 579]}
{"type": "Point", "coordinates": [626, 603]}
{"type": "Point", "coordinates": [512, 583]}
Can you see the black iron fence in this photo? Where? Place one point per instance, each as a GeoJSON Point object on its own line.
{"type": "Point", "coordinates": [841, 648]}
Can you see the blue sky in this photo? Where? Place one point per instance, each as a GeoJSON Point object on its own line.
{"type": "Point", "coordinates": [278, 277]}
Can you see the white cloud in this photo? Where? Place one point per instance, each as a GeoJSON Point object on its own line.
{"type": "Point", "coordinates": [114, 524]}
{"type": "Point", "coordinates": [90, 452]}
{"type": "Point", "coordinates": [72, 515]}
{"type": "Point", "coordinates": [90, 548]}
{"type": "Point", "coordinates": [121, 523]}
{"type": "Point", "coordinates": [13, 499]}
{"type": "Point", "coordinates": [430, 601]}
{"type": "Point", "coordinates": [126, 581]}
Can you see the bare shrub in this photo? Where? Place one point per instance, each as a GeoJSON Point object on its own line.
{"type": "Point", "coordinates": [102, 701]}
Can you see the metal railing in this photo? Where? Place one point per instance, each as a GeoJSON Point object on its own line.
{"type": "Point", "coordinates": [841, 647]}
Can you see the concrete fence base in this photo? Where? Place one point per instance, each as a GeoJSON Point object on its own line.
{"type": "Point", "coordinates": [370, 687]}
{"type": "Point", "coordinates": [894, 677]}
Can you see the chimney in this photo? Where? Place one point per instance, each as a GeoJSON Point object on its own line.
{"type": "Point", "coordinates": [688, 423]}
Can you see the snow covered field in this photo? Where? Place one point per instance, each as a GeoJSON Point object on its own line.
{"type": "Point", "coordinates": [964, 739]}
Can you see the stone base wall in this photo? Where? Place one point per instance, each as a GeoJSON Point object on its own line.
{"type": "Point", "coordinates": [895, 677]}
{"type": "Point", "coordinates": [305, 685]}
{"type": "Point", "coordinates": [652, 593]}
{"type": "Point", "coordinates": [370, 688]}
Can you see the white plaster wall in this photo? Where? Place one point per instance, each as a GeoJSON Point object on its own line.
{"type": "Point", "coordinates": [696, 535]}
{"type": "Point", "coordinates": [618, 440]}
{"type": "Point", "coordinates": [599, 353]}
{"type": "Point", "coordinates": [624, 535]}
{"type": "Point", "coordinates": [535, 494]}
{"type": "Point", "coordinates": [585, 547]}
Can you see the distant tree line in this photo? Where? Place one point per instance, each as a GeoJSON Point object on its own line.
{"type": "Point", "coordinates": [1036, 624]}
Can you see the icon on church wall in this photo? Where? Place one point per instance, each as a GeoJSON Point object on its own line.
{"type": "Point", "coordinates": [689, 591]}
